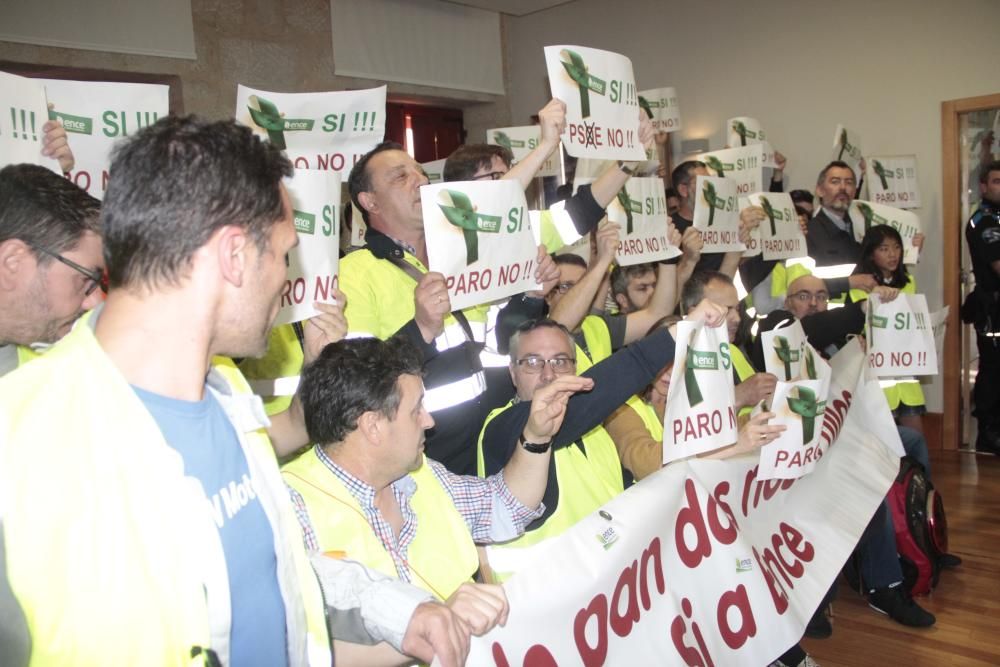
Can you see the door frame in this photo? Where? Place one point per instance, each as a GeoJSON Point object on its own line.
{"type": "Point", "coordinates": [953, 228]}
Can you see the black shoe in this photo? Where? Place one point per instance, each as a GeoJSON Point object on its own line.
{"type": "Point", "coordinates": [948, 561]}
{"type": "Point", "coordinates": [897, 604]}
{"type": "Point", "coordinates": [988, 442]}
{"type": "Point", "coordinates": [819, 626]}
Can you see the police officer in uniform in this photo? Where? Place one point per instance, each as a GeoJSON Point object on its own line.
{"type": "Point", "coordinates": [982, 306]}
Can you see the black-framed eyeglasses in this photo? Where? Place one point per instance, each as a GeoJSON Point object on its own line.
{"type": "Point", "coordinates": [806, 297]}
{"type": "Point", "coordinates": [95, 277]}
{"type": "Point", "coordinates": [559, 365]}
{"type": "Point", "coordinates": [492, 176]}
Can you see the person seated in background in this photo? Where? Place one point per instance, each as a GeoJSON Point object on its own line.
{"type": "Point", "coordinates": [585, 471]}
{"type": "Point", "coordinates": [366, 491]}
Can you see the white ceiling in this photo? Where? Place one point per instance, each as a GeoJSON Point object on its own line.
{"type": "Point", "coordinates": [513, 7]}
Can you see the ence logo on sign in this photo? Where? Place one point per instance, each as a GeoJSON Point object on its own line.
{"type": "Point", "coordinates": [808, 409]}
{"type": "Point", "coordinates": [305, 223]}
{"type": "Point", "coordinates": [587, 82]}
{"type": "Point", "coordinates": [745, 133]}
{"type": "Point", "coordinates": [697, 360]}
{"type": "Point", "coordinates": [786, 354]}
{"type": "Point", "coordinates": [714, 201]}
{"type": "Point", "coordinates": [459, 211]}
{"type": "Point", "coordinates": [501, 139]}
{"type": "Point", "coordinates": [774, 214]}
{"type": "Point", "coordinates": [74, 124]}
{"type": "Point", "coordinates": [631, 206]}
{"type": "Point", "coordinates": [265, 113]}
{"type": "Point", "coordinates": [847, 147]}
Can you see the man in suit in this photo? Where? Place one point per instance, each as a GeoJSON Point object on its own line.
{"type": "Point", "coordinates": [829, 238]}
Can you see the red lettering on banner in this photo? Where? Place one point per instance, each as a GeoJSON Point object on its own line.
{"type": "Point", "coordinates": [833, 417]}
{"type": "Point", "coordinates": [702, 425]}
{"type": "Point", "coordinates": [333, 161]}
{"type": "Point", "coordinates": [598, 610]}
{"type": "Point", "coordinates": [536, 656]}
{"type": "Point", "coordinates": [580, 133]}
{"type": "Point", "coordinates": [473, 281]}
{"type": "Point", "coordinates": [105, 176]}
{"type": "Point", "coordinates": [621, 622]}
{"type": "Point", "coordinates": [693, 657]}
{"type": "Point", "coordinates": [651, 556]}
{"type": "Point", "coordinates": [752, 487]}
{"type": "Point", "coordinates": [691, 515]}
{"type": "Point", "coordinates": [773, 563]}
{"type": "Point", "coordinates": [509, 274]}
{"type": "Point", "coordinates": [630, 247]}
{"type": "Point", "coordinates": [324, 285]}
{"type": "Point", "coordinates": [738, 599]}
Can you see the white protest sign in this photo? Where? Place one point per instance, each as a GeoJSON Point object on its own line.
{"type": "Point", "coordinates": [522, 140]}
{"type": "Point", "coordinates": [96, 114]}
{"type": "Point", "coordinates": [892, 180]}
{"type": "Point", "coordinates": [702, 563]}
{"type": "Point", "coordinates": [799, 406]}
{"type": "Point", "coordinates": [662, 107]}
{"type": "Point", "coordinates": [641, 210]}
{"type": "Point", "coordinates": [700, 415]}
{"type": "Point", "coordinates": [329, 130]}
{"type": "Point", "coordinates": [780, 234]}
{"type": "Point", "coordinates": [602, 106]}
{"type": "Point", "coordinates": [783, 351]}
{"type": "Point", "coordinates": [767, 161]}
{"type": "Point", "coordinates": [744, 131]}
{"type": "Point", "coordinates": [900, 338]}
{"type": "Point", "coordinates": [23, 112]}
{"type": "Point", "coordinates": [715, 214]}
{"type": "Point", "coordinates": [434, 170]}
{"type": "Point", "coordinates": [744, 165]}
{"type": "Point", "coordinates": [847, 148]}
{"type": "Point", "coordinates": [479, 236]}
{"type": "Point", "coordinates": [358, 227]}
{"type": "Point", "coordinates": [314, 262]}
{"type": "Point", "coordinates": [865, 214]}
{"type": "Point", "coordinates": [753, 237]}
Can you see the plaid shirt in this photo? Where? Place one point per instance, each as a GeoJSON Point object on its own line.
{"type": "Point", "coordinates": [490, 510]}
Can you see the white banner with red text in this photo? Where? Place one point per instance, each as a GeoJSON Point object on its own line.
{"type": "Point", "coordinates": [716, 215]}
{"type": "Point", "coordinates": [314, 262]}
{"type": "Point", "coordinates": [780, 234]}
{"type": "Point", "coordinates": [329, 130]}
{"type": "Point", "coordinates": [662, 107]}
{"type": "Point", "coordinates": [865, 215]}
{"type": "Point", "coordinates": [641, 210]}
{"type": "Point", "coordinates": [479, 237]}
{"type": "Point", "coordinates": [702, 563]}
{"type": "Point", "coordinates": [892, 180]}
{"type": "Point", "coordinates": [743, 164]}
{"type": "Point", "coordinates": [901, 337]}
{"type": "Point", "coordinates": [522, 140]}
{"type": "Point", "coordinates": [602, 104]}
{"type": "Point", "coordinates": [96, 115]}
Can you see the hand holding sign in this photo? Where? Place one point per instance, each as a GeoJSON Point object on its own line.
{"type": "Point", "coordinates": [328, 326]}
{"type": "Point", "coordinates": [56, 146]}
{"type": "Point", "coordinates": [431, 304]}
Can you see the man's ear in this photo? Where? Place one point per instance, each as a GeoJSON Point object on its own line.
{"type": "Point", "coordinates": [370, 426]}
{"type": "Point", "coordinates": [622, 302]}
{"type": "Point", "coordinates": [15, 257]}
{"type": "Point", "coordinates": [233, 248]}
{"type": "Point", "coordinates": [368, 202]}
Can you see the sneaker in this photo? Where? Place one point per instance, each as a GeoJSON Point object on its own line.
{"type": "Point", "coordinates": [988, 442]}
{"type": "Point", "coordinates": [897, 604]}
{"type": "Point", "coordinates": [819, 626]}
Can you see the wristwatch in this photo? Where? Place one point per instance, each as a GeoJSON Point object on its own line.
{"type": "Point", "coordinates": [624, 166]}
{"type": "Point", "coordinates": [534, 447]}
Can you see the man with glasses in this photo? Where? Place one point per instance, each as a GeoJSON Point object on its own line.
{"type": "Point", "coordinates": [51, 261]}
{"type": "Point", "coordinates": [585, 471]}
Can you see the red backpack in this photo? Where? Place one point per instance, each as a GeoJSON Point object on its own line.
{"type": "Point", "coordinates": [921, 526]}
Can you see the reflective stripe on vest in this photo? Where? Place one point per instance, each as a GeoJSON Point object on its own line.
{"type": "Point", "coordinates": [453, 393]}
{"type": "Point", "coordinates": [442, 555]}
{"type": "Point", "coordinates": [275, 376]}
{"type": "Point", "coordinates": [556, 227]}
{"type": "Point", "coordinates": [586, 481]}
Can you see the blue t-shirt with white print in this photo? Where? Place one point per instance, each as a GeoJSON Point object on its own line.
{"type": "Point", "coordinates": [206, 440]}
